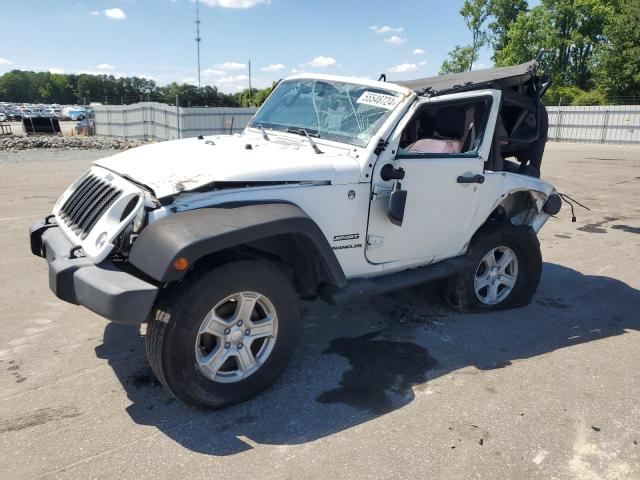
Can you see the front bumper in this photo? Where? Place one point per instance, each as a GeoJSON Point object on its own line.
{"type": "Point", "coordinates": [103, 288]}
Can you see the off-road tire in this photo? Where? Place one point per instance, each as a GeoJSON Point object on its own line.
{"type": "Point", "coordinates": [172, 332]}
{"type": "Point", "coordinates": [459, 290]}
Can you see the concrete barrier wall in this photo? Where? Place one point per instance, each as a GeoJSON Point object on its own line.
{"type": "Point", "coordinates": [167, 122]}
{"type": "Point", "coordinates": [618, 124]}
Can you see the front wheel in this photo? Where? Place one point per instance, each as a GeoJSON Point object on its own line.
{"type": "Point", "coordinates": [225, 335]}
{"type": "Point", "coordinates": [506, 265]}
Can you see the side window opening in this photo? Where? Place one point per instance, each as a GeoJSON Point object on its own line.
{"type": "Point", "coordinates": [520, 137]}
{"type": "Point", "coordinates": [452, 129]}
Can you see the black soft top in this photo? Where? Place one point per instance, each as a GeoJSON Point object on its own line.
{"type": "Point", "coordinates": [500, 77]}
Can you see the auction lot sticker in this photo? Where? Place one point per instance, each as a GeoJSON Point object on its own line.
{"type": "Point", "coordinates": [381, 100]}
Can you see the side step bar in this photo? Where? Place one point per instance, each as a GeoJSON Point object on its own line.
{"type": "Point", "coordinates": [365, 287]}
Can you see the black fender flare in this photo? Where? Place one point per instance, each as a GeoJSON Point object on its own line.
{"type": "Point", "coordinates": [197, 233]}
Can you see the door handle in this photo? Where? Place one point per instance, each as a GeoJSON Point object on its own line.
{"type": "Point", "coordinates": [473, 179]}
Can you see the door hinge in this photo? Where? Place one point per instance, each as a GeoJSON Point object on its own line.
{"type": "Point", "coordinates": [382, 145]}
{"type": "Point", "coordinates": [379, 192]}
{"type": "Point", "coordinates": [374, 242]}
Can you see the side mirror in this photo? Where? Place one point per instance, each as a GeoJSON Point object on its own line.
{"type": "Point", "coordinates": [397, 202]}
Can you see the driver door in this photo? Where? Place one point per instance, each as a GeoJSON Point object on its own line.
{"type": "Point", "coordinates": [441, 188]}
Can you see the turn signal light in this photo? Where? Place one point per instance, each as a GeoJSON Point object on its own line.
{"type": "Point", "coordinates": [181, 264]}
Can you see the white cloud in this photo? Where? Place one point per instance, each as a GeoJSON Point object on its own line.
{"type": "Point", "coordinates": [4, 61]}
{"type": "Point", "coordinates": [55, 70]}
{"type": "Point", "coordinates": [115, 13]}
{"type": "Point", "coordinates": [422, 63]}
{"type": "Point", "coordinates": [418, 51]}
{"type": "Point", "coordinates": [322, 62]}
{"type": "Point", "coordinates": [233, 83]}
{"type": "Point", "coordinates": [275, 67]}
{"type": "Point", "coordinates": [235, 3]}
{"type": "Point", "coordinates": [95, 13]}
{"type": "Point", "coordinates": [230, 66]}
{"type": "Point", "coordinates": [386, 29]}
{"type": "Point", "coordinates": [105, 66]}
{"type": "Point", "coordinates": [233, 79]}
{"type": "Point", "coordinates": [395, 40]}
{"type": "Point", "coordinates": [212, 72]}
{"type": "Point", "coordinates": [98, 72]}
{"type": "Point", "coordinates": [145, 76]}
{"type": "Point", "coordinates": [189, 81]}
{"type": "Point", "coordinates": [404, 68]}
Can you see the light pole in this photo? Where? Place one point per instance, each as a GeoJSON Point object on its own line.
{"type": "Point", "coordinates": [249, 82]}
{"type": "Point", "coordinates": [198, 39]}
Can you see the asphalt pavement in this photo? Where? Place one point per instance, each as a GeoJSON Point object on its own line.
{"type": "Point", "coordinates": [397, 387]}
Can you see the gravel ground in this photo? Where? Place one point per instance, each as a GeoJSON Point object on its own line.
{"type": "Point", "coordinates": [67, 143]}
{"type": "Point", "coordinates": [397, 387]}
{"type": "Point", "coordinates": [51, 156]}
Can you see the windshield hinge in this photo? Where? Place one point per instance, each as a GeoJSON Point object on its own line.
{"type": "Point", "coordinates": [382, 145]}
{"type": "Point", "coordinates": [374, 242]}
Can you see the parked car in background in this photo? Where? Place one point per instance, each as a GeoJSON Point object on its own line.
{"type": "Point", "coordinates": [50, 112]}
{"type": "Point", "coordinates": [3, 117]}
{"type": "Point", "coordinates": [74, 113]}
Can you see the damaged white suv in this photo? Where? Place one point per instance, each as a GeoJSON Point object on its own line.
{"type": "Point", "coordinates": [337, 189]}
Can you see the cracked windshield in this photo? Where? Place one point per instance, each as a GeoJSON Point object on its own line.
{"type": "Point", "coordinates": [342, 112]}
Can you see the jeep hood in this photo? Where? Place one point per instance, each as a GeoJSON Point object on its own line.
{"type": "Point", "coordinates": [194, 163]}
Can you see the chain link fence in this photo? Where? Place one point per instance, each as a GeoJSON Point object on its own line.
{"type": "Point", "coordinates": [168, 122]}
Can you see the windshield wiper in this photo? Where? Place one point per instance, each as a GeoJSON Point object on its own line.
{"type": "Point", "coordinates": [262, 131]}
{"type": "Point", "coordinates": [302, 131]}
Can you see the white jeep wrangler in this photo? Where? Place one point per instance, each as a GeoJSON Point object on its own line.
{"type": "Point", "coordinates": [337, 189]}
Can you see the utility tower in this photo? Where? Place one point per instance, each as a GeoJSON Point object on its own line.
{"type": "Point", "coordinates": [198, 39]}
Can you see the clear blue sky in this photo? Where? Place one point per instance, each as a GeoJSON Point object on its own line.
{"type": "Point", "coordinates": [155, 38]}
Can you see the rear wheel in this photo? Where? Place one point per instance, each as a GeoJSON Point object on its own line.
{"type": "Point", "coordinates": [225, 335]}
{"type": "Point", "coordinates": [505, 270]}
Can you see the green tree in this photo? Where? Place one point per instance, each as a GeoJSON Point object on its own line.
{"type": "Point", "coordinates": [257, 96]}
{"type": "Point", "coordinates": [90, 87]}
{"type": "Point", "coordinates": [618, 61]}
{"type": "Point", "coordinates": [17, 86]}
{"type": "Point", "coordinates": [190, 95]}
{"type": "Point", "coordinates": [62, 88]}
{"type": "Point", "coordinates": [460, 59]}
{"type": "Point", "coordinates": [475, 14]}
{"type": "Point", "coordinates": [504, 14]}
{"type": "Point", "coordinates": [574, 28]}
{"type": "Point", "coordinates": [579, 28]}
{"type": "Point", "coordinates": [572, 95]}
{"type": "Point", "coordinates": [529, 33]}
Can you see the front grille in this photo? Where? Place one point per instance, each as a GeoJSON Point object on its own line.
{"type": "Point", "coordinates": [87, 204]}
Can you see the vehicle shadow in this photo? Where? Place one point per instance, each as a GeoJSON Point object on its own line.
{"type": "Point", "coordinates": [366, 359]}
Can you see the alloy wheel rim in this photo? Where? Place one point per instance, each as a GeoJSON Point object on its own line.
{"type": "Point", "coordinates": [236, 337]}
{"type": "Point", "coordinates": [496, 275]}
